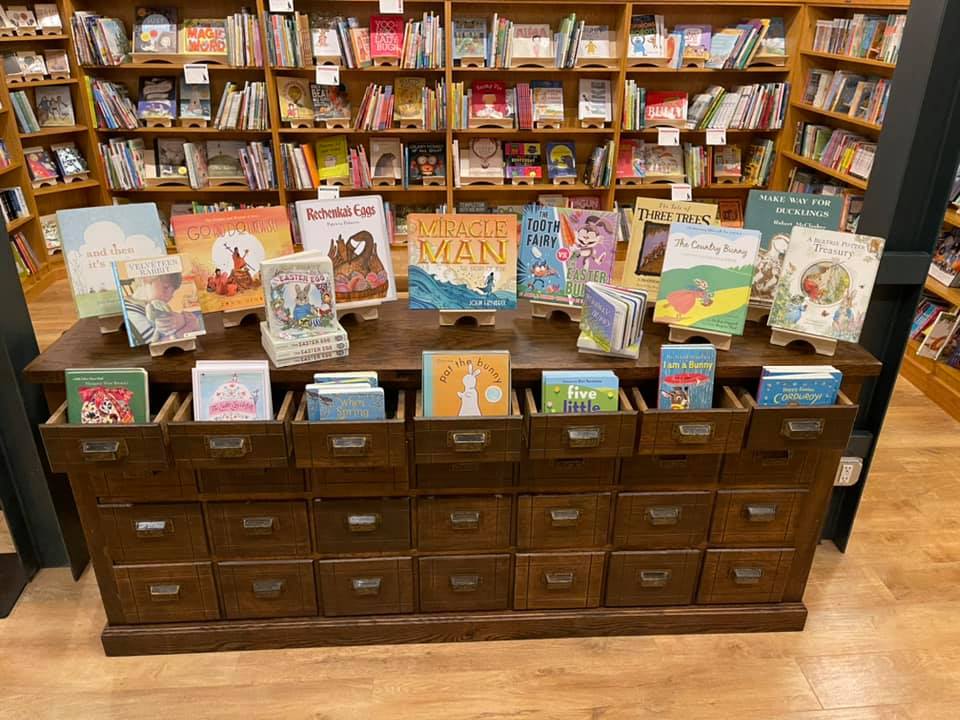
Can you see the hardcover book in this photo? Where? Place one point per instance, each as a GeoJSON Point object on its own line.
{"type": "Point", "coordinates": [532, 41]}
{"type": "Point", "coordinates": [223, 159]}
{"type": "Point", "coordinates": [158, 299]}
{"type": "Point", "coordinates": [386, 158]}
{"type": "Point", "coordinates": [469, 38]}
{"type": "Point", "coordinates": [597, 42]}
{"type": "Point", "coordinates": [69, 160]}
{"type": "Point", "coordinates": [93, 238]}
{"type": "Point", "coordinates": [579, 392]}
{"type": "Point", "coordinates": [774, 214]}
{"type": "Point", "coordinates": [300, 300]}
{"type": "Point", "coordinates": [425, 160]}
{"type": "Point", "coordinates": [386, 37]}
{"type": "Point", "coordinates": [328, 403]}
{"type": "Point", "coordinates": [155, 30]}
{"type": "Point", "coordinates": [469, 384]}
{"type": "Point", "coordinates": [332, 158]}
{"type": "Point", "coordinates": [39, 164]}
{"type": "Point", "coordinates": [363, 377]}
{"type": "Point", "coordinates": [488, 100]}
{"type": "Point", "coordinates": [32, 63]}
{"type": "Point", "coordinates": [409, 92]}
{"type": "Point", "coordinates": [523, 160]}
{"type": "Point", "coordinates": [330, 102]}
{"type": "Point", "coordinates": [352, 232]}
{"type": "Point", "coordinates": [462, 262]}
{"type": "Point", "coordinates": [57, 62]}
{"type": "Point", "coordinates": [937, 336]}
{"type": "Point", "coordinates": [102, 396]}
{"type": "Point", "coordinates": [561, 160]}
{"type": "Point", "coordinates": [54, 106]}
{"type": "Point", "coordinates": [945, 262]}
{"type": "Point", "coordinates": [48, 16]}
{"type": "Point", "coordinates": [295, 100]}
{"type": "Point", "coordinates": [158, 98]}
{"type": "Point", "coordinates": [594, 99]}
{"type": "Point", "coordinates": [203, 36]}
{"type": "Point", "coordinates": [806, 388]}
{"type": "Point", "coordinates": [826, 282]}
{"type": "Point", "coordinates": [686, 377]}
{"type": "Point", "coordinates": [706, 277]}
{"type": "Point", "coordinates": [696, 41]}
{"type": "Point", "coordinates": [223, 251]}
{"type": "Point", "coordinates": [482, 158]}
{"type": "Point", "coordinates": [666, 108]}
{"type": "Point", "coordinates": [171, 158]}
{"type": "Point", "coordinates": [228, 391]}
{"type": "Point", "coordinates": [547, 101]}
{"type": "Point", "coordinates": [194, 101]}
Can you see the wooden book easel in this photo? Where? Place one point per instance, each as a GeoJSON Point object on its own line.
{"type": "Point", "coordinates": [681, 334]}
{"type": "Point", "coordinates": [480, 318]}
{"type": "Point", "coordinates": [822, 345]}
{"type": "Point", "coordinates": [360, 314]}
{"type": "Point", "coordinates": [233, 318]}
{"type": "Point", "coordinates": [158, 349]}
{"type": "Point", "coordinates": [547, 310]}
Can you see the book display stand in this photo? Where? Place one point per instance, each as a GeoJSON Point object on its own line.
{"type": "Point", "coordinates": [110, 323]}
{"type": "Point", "coordinates": [384, 181]}
{"type": "Point", "coordinates": [822, 345]}
{"type": "Point", "coordinates": [23, 31]}
{"type": "Point", "coordinates": [597, 123]}
{"type": "Point", "coordinates": [389, 62]}
{"type": "Point", "coordinates": [168, 181]}
{"type": "Point", "coordinates": [410, 124]}
{"type": "Point", "coordinates": [564, 180]}
{"type": "Point", "coordinates": [433, 180]}
{"type": "Point", "coordinates": [7, 32]}
{"type": "Point", "coordinates": [193, 123]}
{"type": "Point", "coordinates": [340, 124]}
{"type": "Point", "coordinates": [328, 60]}
{"type": "Point", "coordinates": [473, 62]}
{"type": "Point", "coordinates": [238, 181]}
{"type": "Point", "coordinates": [36, 184]}
{"type": "Point", "coordinates": [29, 78]}
{"type": "Point", "coordinates": [159, 349]}
{"type": "Point", "coordinates": [297, 124]}
{"type": "Point", "coordinates": [481, 180]}
{"type": "Point", "coordinates": [548, 310]}
{"type": "Point", "coordinates": [59, 74]}
{"type": "Point", "coordinates": [360, 314]}
{"type": "Point", "coordinates": [233, 318]}
{"type": "Point", "coordinates": [680, 334]}
{"type": "Point", "coordinates": [758, 314]}
{"type": "Point", "coordinates": [480, 318]}
{"type": "Point", "coordinates": [630, 181]}
{"type": "Point", "coordinates": [493, 123]}
{"type": "Point", "coordinates": [159, 58]}
{"type": "Point", "coordinates": [158, 122]}
{"type": "Point", "coordinates": [548, 124]}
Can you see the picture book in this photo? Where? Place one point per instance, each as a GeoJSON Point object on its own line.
{"type": "Point", "coordinates": [332, 157]}
{"type": "Point", "coordinates": [696, 41]}
{"type": "Point", "coordinates": [93, 238]}
{"type": "Point", "coordinates": [806, 385]}
{"type": "Point", "coordinates": [386, 158]}
{"type": "Point", "coordinates": [107, 396]}
{"type": "Point", "coordinates": [826, 282]}
{"type": "Point", "coordinates": [57, 62]}
{"type": "Point", "coordinates": [612, 320]}
{"type": "Point", "coordinates": [579, 392]}
{"type": "Point", "coordinates": [927, 311]}
{"type": "Point", "coordinates": [562, 249]}
{"type": "Point", "coordinates": [324, 38]}
{"type": "Point", "coordinates": [647, 37]}
{"type": "Point", "coordinates": [706, 276]}
{"type": "Point", "coordinates": [223, 252]}
{"type": "Point", "coordinates": [299, 295]}
{"type": "Point", "coordinates": [425, 160]}
{"type": "Point", "coordinates": [21, 16]}
{"type": "Point", "coordinates": [203, 36]}
{"type": "Point", "coordinates": [482, 158]}
{"type": "Point", "coordinates": [54, 106]}
{"type": "Point", "coordinates": [194, 100]}
{"type": "Point", "coordinates": [686, 377]}
{"type": "Point", "coordinates": [462, 262]}
{"type": "Point", "coordinates": [352, 232]}
{"type": "Point", "coordinates": [469, 37]}
{"type": "Point", "coordinates": [171, 158]}
{"type": "Point", "coordinates": [937, 336]}
{"type": "Point", "coordinates": [158, 98]}
{"type": "Point", "coordinates": [155, 30]}
{"type": "Point", "coordinates": [662, 162]}
{"type": "Point", "coordinates": [31, 63]}
{"type": "Point", "coordinates": [223, 159]}
{"type": "Point", "coordinates": [158, 299]}
{"type": "Point", "coordinates": [594, 99]}
{"type": "Point", "coordinates": [648, 238]}
{"type": "Point", "coordinates": [230, 391]}
{"type": "Point", "coordinates": [69, 160]}
{"type": "Point", "coordinates": [533, 40]}
{"type": "Point", "coordinates": [945, 262]}
{"type": "Point", "coordinates": [561, 160]}
{"type": "Point", "coordinates": [774, 214]}
{"type": "Point", "coordinates": [386, 36]}
{"type": "Point", "coordinates": [364, 377]}
{"type": "Point", "coordinates": [523, 159]}
{"type": "Point", "coordinates": [48, 16]}
{"type": "Point", "coordinates": [469, 384]}
{"type": "Point", "coordinates": [488, 100]}
{"type": "Point", "coordinates": [295, 99]}
{"type": "Point", "coordinates": [666, 108]}
{"type": "Point", "coordinates": [597, 42]}
{"type": "Point", "coordinates": [328, 402]}
{"type": "Point", "coordinates": [409, 102]}
{"type": "Point", "coordinates": [631, 159]}
{"type": "Point", "coordinates": [39, 164]}
{"type": "Point", "coordinates": [330, 102]}
{"type": "Point", "coordinates": [547, 101]}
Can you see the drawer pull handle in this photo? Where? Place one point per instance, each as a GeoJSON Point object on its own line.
{"type": "Point", "coordinates": [164, 592]}
{"type": "Point", "coordinates": [227, 447]}
{"type": "Point", "coordinates": [565, 517]}
{"type": "Point", "coordinates": [570, 462]}
{"type": "Point", "coordinates": [760, 513]}
{"type": "Point", "coordinates": [258, 525]}
{"type": "Point", "coordinates": [802, 429]}
{"type": "Point", "coordinates": [102, 450]}
{"type": "Point", "coordinates": [663, 514]}
{"type": "Point", "coordinates": [474, 441]}
{"type": "Point", "coordinates": [350, 445]}
{"type": "Point", "coordinates": [152, 528]}
{"type": "Point", "coordinates": [366, 585]}
{"type": "Point", "coordinates": [655, 578]}
{"type": "Point", "coordinates": [562, 580]}
{"type": "Point", "coordinates": [693, 433]}
{"type": "Point", "coordinates": [363, 523]}
{"type": "Point", "coordinates": [267, 589]}
{"type": "Point", "coordinates": [747, 575]}
{"type": "Point", "coordinates": [584, 437]}
{"type": "Point", "coordinates": [465, 519]}
{"type": "Point", "coordinates": [775, 458]}
{"type": "Point", "coordinates": [672, 460]}
{"type": "Point", "coordinates": [465, 583]}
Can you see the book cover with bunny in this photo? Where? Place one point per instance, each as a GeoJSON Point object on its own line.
{"type": "Point", "coordinates": [466, 384]}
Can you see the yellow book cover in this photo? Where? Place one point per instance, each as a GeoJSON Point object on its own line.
{"type": "Point", "coordinates": [409, 98]}
{"type": "Point", "coordinates": [332, 159]}
{"type": "Point", "coordinates": [470, 384]}
{"type": "Point", "coordinates": [294, 97]}
{"type": "Point", "coordinates": [648, 238]}
{"type": "Point", "coordinates": [223, 251]}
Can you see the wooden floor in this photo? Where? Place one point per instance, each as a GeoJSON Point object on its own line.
{"type": "Point", "coordinates": [882, 640]}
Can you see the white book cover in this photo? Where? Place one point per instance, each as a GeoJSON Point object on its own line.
{"type": "Point", "coordinates": [595, 99]}
{"type": "Point", "coordinates": [226, 391]}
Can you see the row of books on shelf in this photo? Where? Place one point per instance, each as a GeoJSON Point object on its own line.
{"type": "Point", "coordinates": [24, 257]}
{"type": "Point", "coordinates": [63, 162]}
{"type": "Point", "coordinates": [761, 106]}
{"type": "Point", "coordinates": [870, 36]}
{"type": "Point", "coordinates": [41, 18]}
{"type": "Point", "coordinates": [4, 154]}
{"type": "Point", "coordinates": [846, 93]}
{"type": "Point", "coordinates": [945, 261]}
{"type": "Point", "coordinates": [28, 65]}
{"type": "Point", "coordinates": [509, 44]}
{"type": "Point", "coordinates": [51, 107]}
{"type": "Point", "coordinates": [13, 204]}
{"type": "Point", "coordinates": [937, 330]}
{"type": "Point", "coordinates": [699, 165]}
{"type": "Point", "coordinates": [838, 149]}
{"type": "Point", "coordinates": [525, 106]}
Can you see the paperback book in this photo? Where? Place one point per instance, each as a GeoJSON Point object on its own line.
{"type": "Point", "coordinates": [938, 334]}
{"type": "Point", "coordinates": [102, 396]}
{"type": "Point", "coordinates": [686, 377]}
{"type": "Point", "coordinates": [472, 384]}
{"type": "Point", "coordinates": [231, 391]}
{"type": "Point", "coordinates": [582, 392]}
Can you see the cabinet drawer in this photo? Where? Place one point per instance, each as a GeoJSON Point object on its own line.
{"type": "Point", "coordinates": [169, 484]}
{"type": "Point", "coordinates": [365, 525]}
{"type": "Point", "coordinates": [463, 523]}
{"type": "Point", "coordinates": [562, 521]}
{"type": "Point", "coordinates": [770, 467]}
{"type": "Point", "coordinates": [267, 589]}
{"type": "Point", "coordinates": [145, 533]}
{"type": "Point", "coordinates": [359, 480]}
{"type": "Point", "coordinates": [558, 581]}
{"type": "Point", "coordinates": [350, 444]}
{"type": "Point", "coordinates": [744, 576]}
{"type": "Point", "coordinates": [462, 439]}
{"type": "Point", "coordinates": [458, 583]}
{"type": "Point", "coordinates": [466, 475]}
{"type": "Point", "coordinates": [210, 445]}
{"type": "Point", "coordinates": [259, 529]}
{"type": "Point", "coordinates": [689, 432]}
{"type": "Point", "coordinates": [250, 480]}
{"type": "Point", "coordinates": [662, 520]}
{"type": "Point", "coordinates": [167, 593]}
{"type": "Point", "coordinates": [366, 587]}
{"type": "Point", "coordinates": [569, 472]}
{"type": "Point", "coordinates": [595, 435]}
{"type": "Point", "coordinates": [670, 470]}
{"type": "Point", "coordinates": [800, 427]}
{"type": "Point", "coordinates": [756, 517]}
{"type": "Point", "coordinates": [666, 577]}
{"type": "Point", "coordinates": [117, 448]}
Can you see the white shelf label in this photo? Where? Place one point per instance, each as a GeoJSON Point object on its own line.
{"type": "Point", "coordinates": [281, 6]}
{"type": "Point", "coordinates": [668, 136]}
{"type": "Point", "coordinates": [394, 7]}
{"type": "Point", "coordinates": [716, 137]}
{"type": "Point", "coordinates": [196, 74]}
{"type": "Point", "coordinates": [328, 192]}
{"type": "Point", "coordinates": [328, 75]}
{"type": "Point", "coordinates": [681, 192]}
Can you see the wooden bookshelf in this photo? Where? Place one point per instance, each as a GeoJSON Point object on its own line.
{"type": "Point", "coordinates": [874, 66]}
{"type": "Point", "coordinates": [854, 123]}
{"type": "Point", "coordinates": [821, 168]}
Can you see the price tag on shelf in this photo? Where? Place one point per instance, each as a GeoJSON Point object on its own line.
{"type": "Point", "coordinates": [281, 6]}
{"type": "Point", "coordinates": [328, 192]}
{"type": "Point", "coordinates": [716, 137]}
{"type": "Point", "coordinates": [681, 192]}
{"type": "Point", "coordinates": [196, 74]}
{"type": "Point", "coordinates": [391, 6]}
{"type": "Point", "coordinates": [328, 75]}
{"type": "Point", "coordinates": [668, 136]}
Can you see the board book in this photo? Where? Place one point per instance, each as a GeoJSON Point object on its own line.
{"type": "Point", "coordinates": [470, 384]}
{"type": "Point", "coordinates": [107, 396]}
{"type": "Point", "coordinates": [612, 320]}
{"type": "Point", "coordinates": [687, 375]}
{"type": "Point", "coordinates": [329, 402]}
{"type": "Point", "coordinates": [579, 392]}
{"type": "Point", "coordinates": [230, 391]}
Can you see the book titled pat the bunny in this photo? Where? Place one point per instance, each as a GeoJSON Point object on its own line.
{"type": "Point", "coordinates": [466, 384]}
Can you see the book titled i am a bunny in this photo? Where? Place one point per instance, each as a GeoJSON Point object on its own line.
{"type": "Point", "coordinates": [475, 384]}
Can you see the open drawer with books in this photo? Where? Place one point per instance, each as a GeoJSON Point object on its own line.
{"type": "Point", "coordinates": [136, 448]}
{"type": "Point", "coordinates": [468, 439]}
{"type": "Point", "coordinates": [572, 435]}
{"type": "Point", "coordinates": [799, 427]}
{"type": "Point", "coordinates": [717, 430]}
{"type": "Point", "coordinates": [213, 445]}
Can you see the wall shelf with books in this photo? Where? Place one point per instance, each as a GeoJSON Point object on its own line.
{"type": "Point", "coordinates": [15, 225]}
{"type": "Point", "coordinates": [839, 117]}
{"type": "Point", "coordinates": [873, 65]}
{"type": "Point", "coordinates": [71, 187]}
{"type": "Point", "coordinates": [46, 132]}
{"type": "Point", "coordinates": [821, 168]}
{"type": "Point", "coordinates": [32, 39]}
{"type": "Point", "coordinates": [50, 82]}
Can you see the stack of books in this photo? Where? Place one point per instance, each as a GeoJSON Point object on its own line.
{"type": "Point", "coordinates": [23, 255]}
{"type": "Point", "coordinates": [13, 204]}
{"type": "Point", "coordinates": [875, 37]}
{"type": "Point", "coordinates": [414, 44]}
{"type": "Point", "coordinates": [798, 385]}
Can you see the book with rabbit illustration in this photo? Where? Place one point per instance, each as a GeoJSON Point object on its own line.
{"type": "Point", "coordinates": [472, 384]}
{"type": "Point", "coordinates": [299, 295]}
{"type": "Point", "coordinates": [686, 377]}
{"type": "Point", "coordinates": [826, 282]}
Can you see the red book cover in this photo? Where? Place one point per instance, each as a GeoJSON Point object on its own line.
{"type": "Point", "coordinates": [386, 36]}
{"type": "Point", "coordinates": [488, 99]}
{"type": "Point", "coordinates": [665, 107]}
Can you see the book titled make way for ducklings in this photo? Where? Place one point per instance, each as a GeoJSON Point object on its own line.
{"type": "Point", "coordinates": [706, 279]}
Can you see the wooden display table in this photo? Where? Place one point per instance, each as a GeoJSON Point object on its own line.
{"type": "Point", "coordinates": [216, 536]}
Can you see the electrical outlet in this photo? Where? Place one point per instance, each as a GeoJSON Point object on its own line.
{"type": "Point", "coordinates": [848, 473]}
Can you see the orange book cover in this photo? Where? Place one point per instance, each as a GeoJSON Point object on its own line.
{"type": "Point", "coordinates": [468, 384]}
{"type": "Point", "coordinates": [311, 159]}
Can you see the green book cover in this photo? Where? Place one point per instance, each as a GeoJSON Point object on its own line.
{"type": "Point", "coordinates": [579, 392]}
{"type": "Point", "coordinates": [101, 396]}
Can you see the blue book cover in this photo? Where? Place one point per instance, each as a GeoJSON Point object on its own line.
{"type": "Point", "coordinates": [600, 319]}
{"type": "Point", "coordinates": [328, 403]}
{"type": "Point", "coordinates": [801, 370]}
{"type": "Point", "coordinates": [778, 390]}
{"type": "Point", "coordinates": [686, 377]}
{"type": "Point", "coordinates": [580, 392]}
{"type": "Point", "coordinates": [231, 391]}
{"type": "Point", "coordinates": [367, 377]}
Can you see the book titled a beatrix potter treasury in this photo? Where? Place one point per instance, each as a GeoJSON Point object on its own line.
{"type": "Point", "coordinates": [470, 384]}
{"type": "Point", "coordinates": [706, 277]}
{"type": "Point", "coordinates": [101, 396]}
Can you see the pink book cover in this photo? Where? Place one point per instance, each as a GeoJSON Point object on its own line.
{"type": "Point", "coordinates": [386, 36]}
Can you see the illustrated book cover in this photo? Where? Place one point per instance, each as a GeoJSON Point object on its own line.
{"type": "Point", "coordinates": [469, 384]}
{"type": "Point", "coordinates": [300, 300]}
{"type": "Point", "coordinates": [155, 30]}
{"type": "Point", "coordinates": [561, 160]}
{"type": "Point", "coordinates": [937, 336]}
{"type": "Point", "coordinates": [194, 100]}
{"type": "Point", "coordinates": [811, 387]}
{"type": "Point", "coordinates": [296, 102]}
{"type": "Point", "coordinates": [686, 377]}
{"type": "Point", "coordinates": [107, 396]}
{"type": "Point", "coordinates": [386, 158]}
{"type": "Point", "coordinates": [469, 37]}
{"type": "Point", "coordinates": [579, 392]}
{"type": "Point", "coordinates": [386, 36]}
{"type": "Point", "coordinates": [332, 157]}
{"type": "Point", "coordinates": [945, 262]}
{"type": "Point", "coordinates": [328, 402]}
{"type": "Point", "coordinates": [612, 320]}
{"type": "Point", "coordinates": [409, 102]}
{"type": "Point", "coordinates": [425, 160]}
{"type": "Point", "coordinates": [330, 102]}
{"type": "Point", "coordinates": [230, 391]}
{"type": "Point", "coordinates": [158, 98]}
{"type": "Point", "coordinates": [54, 106]}
{"type": "Point", "coordinates": [203, 36]}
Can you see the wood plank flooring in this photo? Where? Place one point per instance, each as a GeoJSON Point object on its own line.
{"type": "Point", "coordinates": [882, 640]}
